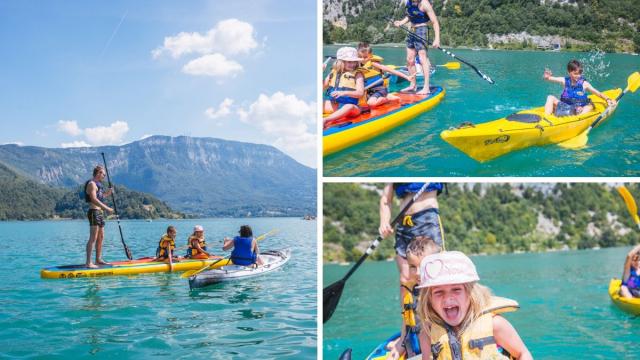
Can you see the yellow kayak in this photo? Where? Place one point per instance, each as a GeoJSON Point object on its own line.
{"type": "Point", "coordinates": [344, 133]}
{"type": "Point", "coordinates": [526, 128]}
{"type": "Point", "coordinates": [632, 306]}
{"type": "Point", "coordinates": [128, 267]}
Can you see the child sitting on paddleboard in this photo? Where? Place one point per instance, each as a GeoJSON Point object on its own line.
{"type": "Point", "coordinates": [630, 276]}
{"type": "Point", "coordinates": [463, 315]}
{"type": "Point", "coordinates": [419, 248]}
{"type": "Point", "coordinates": [167, 244]}
{"type": "Point", "coordinates": [574, 99]}
{"type": "Point", "coordinates": [344, 86]}
{"type": "Point", "coordinates": [245, 248]}
{"type": "Point", "coordinates": [376, 85]}
{"type": "Point", "coordinates": [197, 245]}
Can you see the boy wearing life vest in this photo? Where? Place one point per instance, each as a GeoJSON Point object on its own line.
{"type": "Point", "coordinates": [412, 338]}
{"type": "Point", "coordinates": [376, 85]}
{"type": "Point", "coordinates": [631, 274]}
{"type": "Point", "coordinates": [245, 248]}
{"type": "Point", "coordinates": [344, 86]}
{"type": "Point", "coordinates": [419, 14]}
{"type": "Point", "coordinates": [421, 219]}
{"type": "Point", "coordinates": [197, 245]}
{"type": "Point", "coordinates": [463, 315]}
{"type": "Point", "coordinates": [166, 245]}
{"type": "Point", "coordinates": [574, 99]}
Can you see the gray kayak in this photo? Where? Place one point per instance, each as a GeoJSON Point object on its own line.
{"type": "Point", "coordinates": [272, 260]}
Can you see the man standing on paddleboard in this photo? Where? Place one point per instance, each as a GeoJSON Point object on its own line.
{"type": "Point", "coordinates": [419, 14]}
{"type": "Point", "coordinates": [94, 194]}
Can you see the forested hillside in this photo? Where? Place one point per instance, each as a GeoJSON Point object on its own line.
{"type": "Point", "coordinates": [609, 25]}
{"type": "Point", "coordinates": [25, 199]}
{"type": "Point", "coordinates": [488, 218]}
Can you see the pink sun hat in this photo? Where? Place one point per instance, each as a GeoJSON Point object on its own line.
{"type": "Point", "coordinates": [447, 268]}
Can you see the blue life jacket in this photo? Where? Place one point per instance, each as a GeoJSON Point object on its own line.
{"type": "Point", "coordinates": [574, 94]}
{"type": "Point", "coordinates": [99, 193]}
{"type": "Point", "coordinates": [416, 16]}
{"type": "Point", "coordinates": [403, 189]}
{"type": "Point", "coordinates": [634, 280]}
{"type": "Point", "coordinates": [242, 253]}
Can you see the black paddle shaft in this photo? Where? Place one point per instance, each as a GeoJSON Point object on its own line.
{"type": "Point", "coordinates": [424, 41]}
{"type": "Point", "coordinates": [332, 293]}
{"type": "Point", "coordinates": [115, 209]}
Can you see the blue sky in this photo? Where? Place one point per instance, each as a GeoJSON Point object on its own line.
{"type": "Point", "coordinates": [73, 74]}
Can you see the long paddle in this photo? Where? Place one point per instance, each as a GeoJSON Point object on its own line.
{"type": "Point", "coordinates": [631, 204]}
{"type": "Point", "coordinates": [633, 81]}
{"type": "Point", "coordinates": [191, 273]}
{"type": "Point", "coordinates": [115, 209]}
{"type": "Point", "coordinates": [424, 41]}
{"type": "Point", "coordinates": [332, 293]}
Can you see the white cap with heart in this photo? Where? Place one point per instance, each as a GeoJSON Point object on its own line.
{"type": "Point", "coordinates": [348, 53]}
{"type": "Point", "coordinates": [198, 228]}
{"type": "Point", "coordinates": [447, 268]}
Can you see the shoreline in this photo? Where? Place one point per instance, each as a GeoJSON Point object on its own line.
{"type": "Point", "coordinates": [479, 48]}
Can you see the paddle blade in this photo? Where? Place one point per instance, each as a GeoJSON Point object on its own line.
{"type": "Point", "coordinates": [330, 299]}
{"type": "Point", "coordinates": [633, 81]}
{"type": "Point", "coordinates": [128, 252]}
{"type": "Point", "coordinates": [346, 355]}
{"type": "Point", "coordinates": [187, 274]}
{"type": "Point", "coordinates": [454, 65]}
{"type": "Point", "coordinates": [631, 203]}
{"type": "Point", "coordinates": [577, 142]}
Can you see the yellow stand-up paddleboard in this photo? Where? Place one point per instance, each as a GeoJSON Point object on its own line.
{"type": "Point", "coordinates": [630, 305]}
{"type": "Point", "coordinates": [526, 128]}
{"type": "Point", "coordinates": [344, 133]}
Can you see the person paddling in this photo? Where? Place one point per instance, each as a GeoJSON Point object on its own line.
{"type": "Point", "coordinates": [245, 248]}
{"type": "Point", "coordinates": [419, 14]}
{"type": "Point", "coordinates": [94, 194]}
{"type": "Point", "coordinates": [631, 274]}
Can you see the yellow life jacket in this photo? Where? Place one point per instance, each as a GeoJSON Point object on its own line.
{"type": "Point", "coordinates": [409, 305]}
{"type": "Point", "coordinates": [372, 74]}
{"type": "Point", "coordinates": [195, 251]}
{"type": "Point", "coordinates": [164, 244]}
{"type": "Point", "coordinates": [478, 341]}
{"type": "Point", "coordinates": [345, 81]}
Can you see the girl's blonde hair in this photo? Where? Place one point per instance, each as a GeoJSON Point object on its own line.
{"type": "Point", "coordinates": [479, 298]}
{"type": "Point", "coordinates": [338, 66]}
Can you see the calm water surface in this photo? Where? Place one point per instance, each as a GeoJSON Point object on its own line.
{"type": "Point", "coordinates": [269, 317]}
{"type": "Point", "coordinates": [565, 313]}
{"type": "Point", "coordinates": [416, 149]}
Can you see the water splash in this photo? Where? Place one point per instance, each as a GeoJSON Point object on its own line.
{"type": "Point", "coordinates": [594, 65]}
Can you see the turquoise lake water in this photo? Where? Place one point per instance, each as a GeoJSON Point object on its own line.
{"type": "Point", "coordinates": [416, 149]}
{"type": "Point", "coordinates": [154, 315]}
{"type": "Point", "coordinates": [565, 313]}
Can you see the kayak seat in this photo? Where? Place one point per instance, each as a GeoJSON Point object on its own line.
{"type": "Point", "coordinates": [524, 118]}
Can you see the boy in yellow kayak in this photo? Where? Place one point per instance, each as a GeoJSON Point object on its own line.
{"type": "Point", "coordinates": [376, 86]}
{"type": "Point", "coordinates": [166, 247]}
{"type": "Point", "coordinates": [463, 315]}
{"type": "Point", "coordinates": [574, 99]}
{"type": "Point", "coordinates": [344, 86]}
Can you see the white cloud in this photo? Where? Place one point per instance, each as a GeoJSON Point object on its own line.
{"type": "Point", "coordinates": [289, 119]}
{"type": "Point", "coordinates": [145, 136]}
{"type": "Point", "coordinates": [19, 143]}
{"type": "Point", "coordinates": [230, 36]}
{"type": "Point", "coordinates": [216, 65]}
{"type": "Point", "coordinates": [75, 144]}
{"type": "Point", "coordinates": [69, 127]}
{"type": "Point", "coordinates": [224, 109]}
{"type": "Point", "coordinates": [106, 135]}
